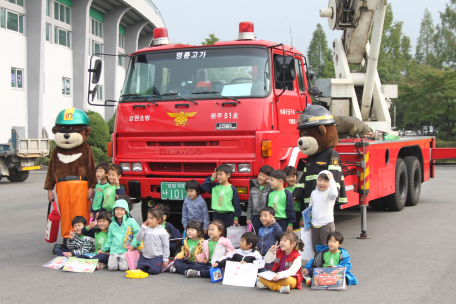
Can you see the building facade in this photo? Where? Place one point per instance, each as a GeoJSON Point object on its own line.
{"type": "Point", "coordinates": [46, 50]}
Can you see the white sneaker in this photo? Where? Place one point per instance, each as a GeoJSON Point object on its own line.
{"type": "Point", "coordinates": [260, 285]}
{"type": "Point", "coordinates": [173, 269]}
{"type": "Point", "coordinates": [285, 289]}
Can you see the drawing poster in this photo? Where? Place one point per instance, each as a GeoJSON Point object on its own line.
{"type": "Point", "coordinates": [80, 265]}
{"type": "Point", "coordinates": [237, 274]}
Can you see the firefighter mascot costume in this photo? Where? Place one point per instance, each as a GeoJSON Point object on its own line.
{"type": "Point", "coordinates": [318, 138]}
{"type": "Point", "coordinates": [71, 168]}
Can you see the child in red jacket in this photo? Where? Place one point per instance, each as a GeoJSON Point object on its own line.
{"type": "Point", "coordinates": [287, 264]}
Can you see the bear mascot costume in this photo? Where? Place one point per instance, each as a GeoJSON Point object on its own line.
{"type": "Point", "coordinates": [71, 168]}
{"type": "Point", "coordinates": [318, 138]}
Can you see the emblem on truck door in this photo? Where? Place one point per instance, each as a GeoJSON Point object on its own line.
{"type": "Point", "coordinates": [180, 118]}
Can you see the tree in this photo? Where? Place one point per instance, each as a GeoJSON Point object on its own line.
{"type": "Point", "coordinates": [426, 47]}
{"type": "Point", "coordinates": [211, 40]}
{"type": "Point", "coordinates": [99, 137]}
{"type": "Point", "coordinates": [111, 123]}
{"type": "Point", "coordinates": [430, 97]}
{"type": "Point", "coordinates": [395, 50]}
{"type": "Point", "coordinates": [319, 56]}
{"type": "Point", "coordinates": [447, 34]}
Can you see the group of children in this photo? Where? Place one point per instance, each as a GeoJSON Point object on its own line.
{"type": "Point", "coordinates": [272, 210]}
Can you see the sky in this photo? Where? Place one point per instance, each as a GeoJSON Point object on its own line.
{"type": "Point", "coordinates": [192, 21]}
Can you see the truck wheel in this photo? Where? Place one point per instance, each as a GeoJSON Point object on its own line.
{"type": "Point", "coordinates": [414, 180]}
{"type": "Point", "coordinates": [378, 204]}
{"type": "Point", "coordinates": [19, 177]}
{"type": "Point", "coordinates": [396, 201]}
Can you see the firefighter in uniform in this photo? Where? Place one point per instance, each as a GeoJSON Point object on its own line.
{"type": "Point", "coordinates": [325, 158]}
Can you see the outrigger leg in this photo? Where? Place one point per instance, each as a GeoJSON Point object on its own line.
{"type": "Point", "coordinates": [363, 234]}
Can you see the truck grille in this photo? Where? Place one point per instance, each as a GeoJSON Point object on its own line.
{"type": "Point", "coordinates": [183, 167]}
{"type": "Point", "coordinates": [185, 143]}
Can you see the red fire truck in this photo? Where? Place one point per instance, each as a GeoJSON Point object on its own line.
{"type": "Point", "coordinates": [186, 109]}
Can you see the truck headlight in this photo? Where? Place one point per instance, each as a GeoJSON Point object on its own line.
{"type": "Point", "coordinates": [136, 167]}
{"type": "Point", "coordinates": [233, 167]}
{"type": "Point", "coordinates": [125, 167]}
{"type": "Point", "coordinates": [244, 168]}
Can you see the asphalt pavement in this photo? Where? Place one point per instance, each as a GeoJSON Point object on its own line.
{"type": "Point", "coordinates": [408, 260]}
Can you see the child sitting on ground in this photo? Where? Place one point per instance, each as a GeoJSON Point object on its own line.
{"type": "Point", "coordinates": [202, 265]}
{"type": "Point", "coordinates": [193, 246]}
{"type": "Point", "coordinates": [287, 264]}
{"type": "Point", "coordinates": [245, 254]}
{"type": "Point", "coordinates": [155, 254]}
{"type": "Point", "coordinates": [281, 200]}
{"type": "Point", "coordinates": [292, 177]}
{"type": "Point", "coordinates": [100, 234]}
{"type": "Point", "coordinates": [195, 207]}
{"type": "Point", "coordinates": [114, 188]}
{"type": "Point", "coordinates": [172, 231]}
{"type": "Point", "coordinates": [322, 201]}
{"type": "Point", "coordinates": [259, 197]}
{"type": "Point", "coordinates": [225, 198]}
{"type": "Point", "coordinates": [271, 231]}
{"type": "Point", "coordinates": [101, 174]}
{"type": "Point", "coordinates": [121, 236]}
{"type": "Point", "coordinates": [331, 256]}
{"type": "Point", "coordinates": [77, 244]}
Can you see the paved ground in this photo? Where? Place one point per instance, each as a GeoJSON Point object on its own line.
{"type": "Point", "coordinates": [408, 260]}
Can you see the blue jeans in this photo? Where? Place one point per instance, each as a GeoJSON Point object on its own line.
{"type": "Point", "coordinates": [183, 265]}
{"type": "Point", "coordinates": [151, 266]}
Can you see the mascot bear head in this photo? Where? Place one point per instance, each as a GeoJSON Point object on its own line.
{"type": "Point", "coordinates": [317, 130]}
{"type": "Point", "coordinates": [72, 128]}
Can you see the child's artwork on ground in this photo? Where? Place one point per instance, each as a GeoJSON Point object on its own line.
{"type": "Point", "coordinates": [56, 263]}
{"type": "Point", "coordinates": [328, 278]}
{"type": "Point", "coordinates": [80, 265]}
{"type": "Point", "coordinates": [237, 274]}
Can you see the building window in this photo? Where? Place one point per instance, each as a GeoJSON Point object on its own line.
{"type": "Point", "coordinates": [2, 18]}
{"type": "Point", "coordinates": [18, 2]}
{"type": "Point", "coordinates": [97, 48]}
{"type": "Point", "coordinates": [120, 60]}
{"type": "Point", "coordinates": [48, 8]}
{"type": "Point", "coordinates": [97, 28]}
{"type": "Point", "coordinates": [61, 12]}
{"type": "Point", "coordinates": [61, 36]}
{"type": "Point", "coordinates": [100, 92]}
{"type": "Point", "coordinates": [48, 32]}
{"type": "Point", "coordinates": [11, 21]}
{"type": "Point", "coordinates": [66, 85]}
{"type": "Point", "coordinates": [121, 40]}
{"type": "Point", "coordinates": [17, 76]}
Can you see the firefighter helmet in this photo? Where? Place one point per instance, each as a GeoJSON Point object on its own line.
{"type": "Point", "coordinates": [314, 116]}
{"type": "Point", "coordinates": [72, 116]}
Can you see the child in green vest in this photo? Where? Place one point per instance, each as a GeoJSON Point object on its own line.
{"type": "Point", "coordinates": [281, 200]}
{"type": "Point", "coordinates": [225, 198]}
{"type": "Point", "coordinates": [99, 231]}
{"type": "Point", "coordinates": [292, 177]}
{"type": "Point", "coordinates": [114, 188]}
{"type": "Point", "coordinates": [101, 174]}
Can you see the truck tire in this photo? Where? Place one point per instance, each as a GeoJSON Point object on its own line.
{"type": "Point", "coordinates": [396, 201]}
{"type": "Point", "coordinates": [19, 177]}
{"type": "Point", "coordinates": [378, 204]}
{"type": "Point", "coordinates": [414, 180]}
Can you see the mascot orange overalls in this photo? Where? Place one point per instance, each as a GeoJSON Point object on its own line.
{"type": "Point", "coordinates": [71, 167]}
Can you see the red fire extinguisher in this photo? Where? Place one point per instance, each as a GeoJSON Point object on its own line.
{"type": "Point", "coordinates": [52, 227]}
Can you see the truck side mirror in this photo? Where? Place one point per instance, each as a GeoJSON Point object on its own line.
{"type": "Point", "coordinates": [289, 68]}
{"type": "Point", "coordinates": [96, 71]}
{"type": "Point", "coordinates": [94, 92]}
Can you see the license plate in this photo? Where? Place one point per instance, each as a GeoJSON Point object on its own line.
{"type": "Point", "coordinates": [30, 168]}
{"type": "Point", "coordinates": [172, 191]}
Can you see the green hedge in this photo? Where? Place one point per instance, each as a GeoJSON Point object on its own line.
{"type": "Point", "coordinates": [99, 138]}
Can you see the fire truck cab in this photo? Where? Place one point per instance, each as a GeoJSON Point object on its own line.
{"type": "Point", "coordinates": [184, 110]}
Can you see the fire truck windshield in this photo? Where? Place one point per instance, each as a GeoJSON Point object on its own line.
{"type": "Point", "coordinates": [237, 72]}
